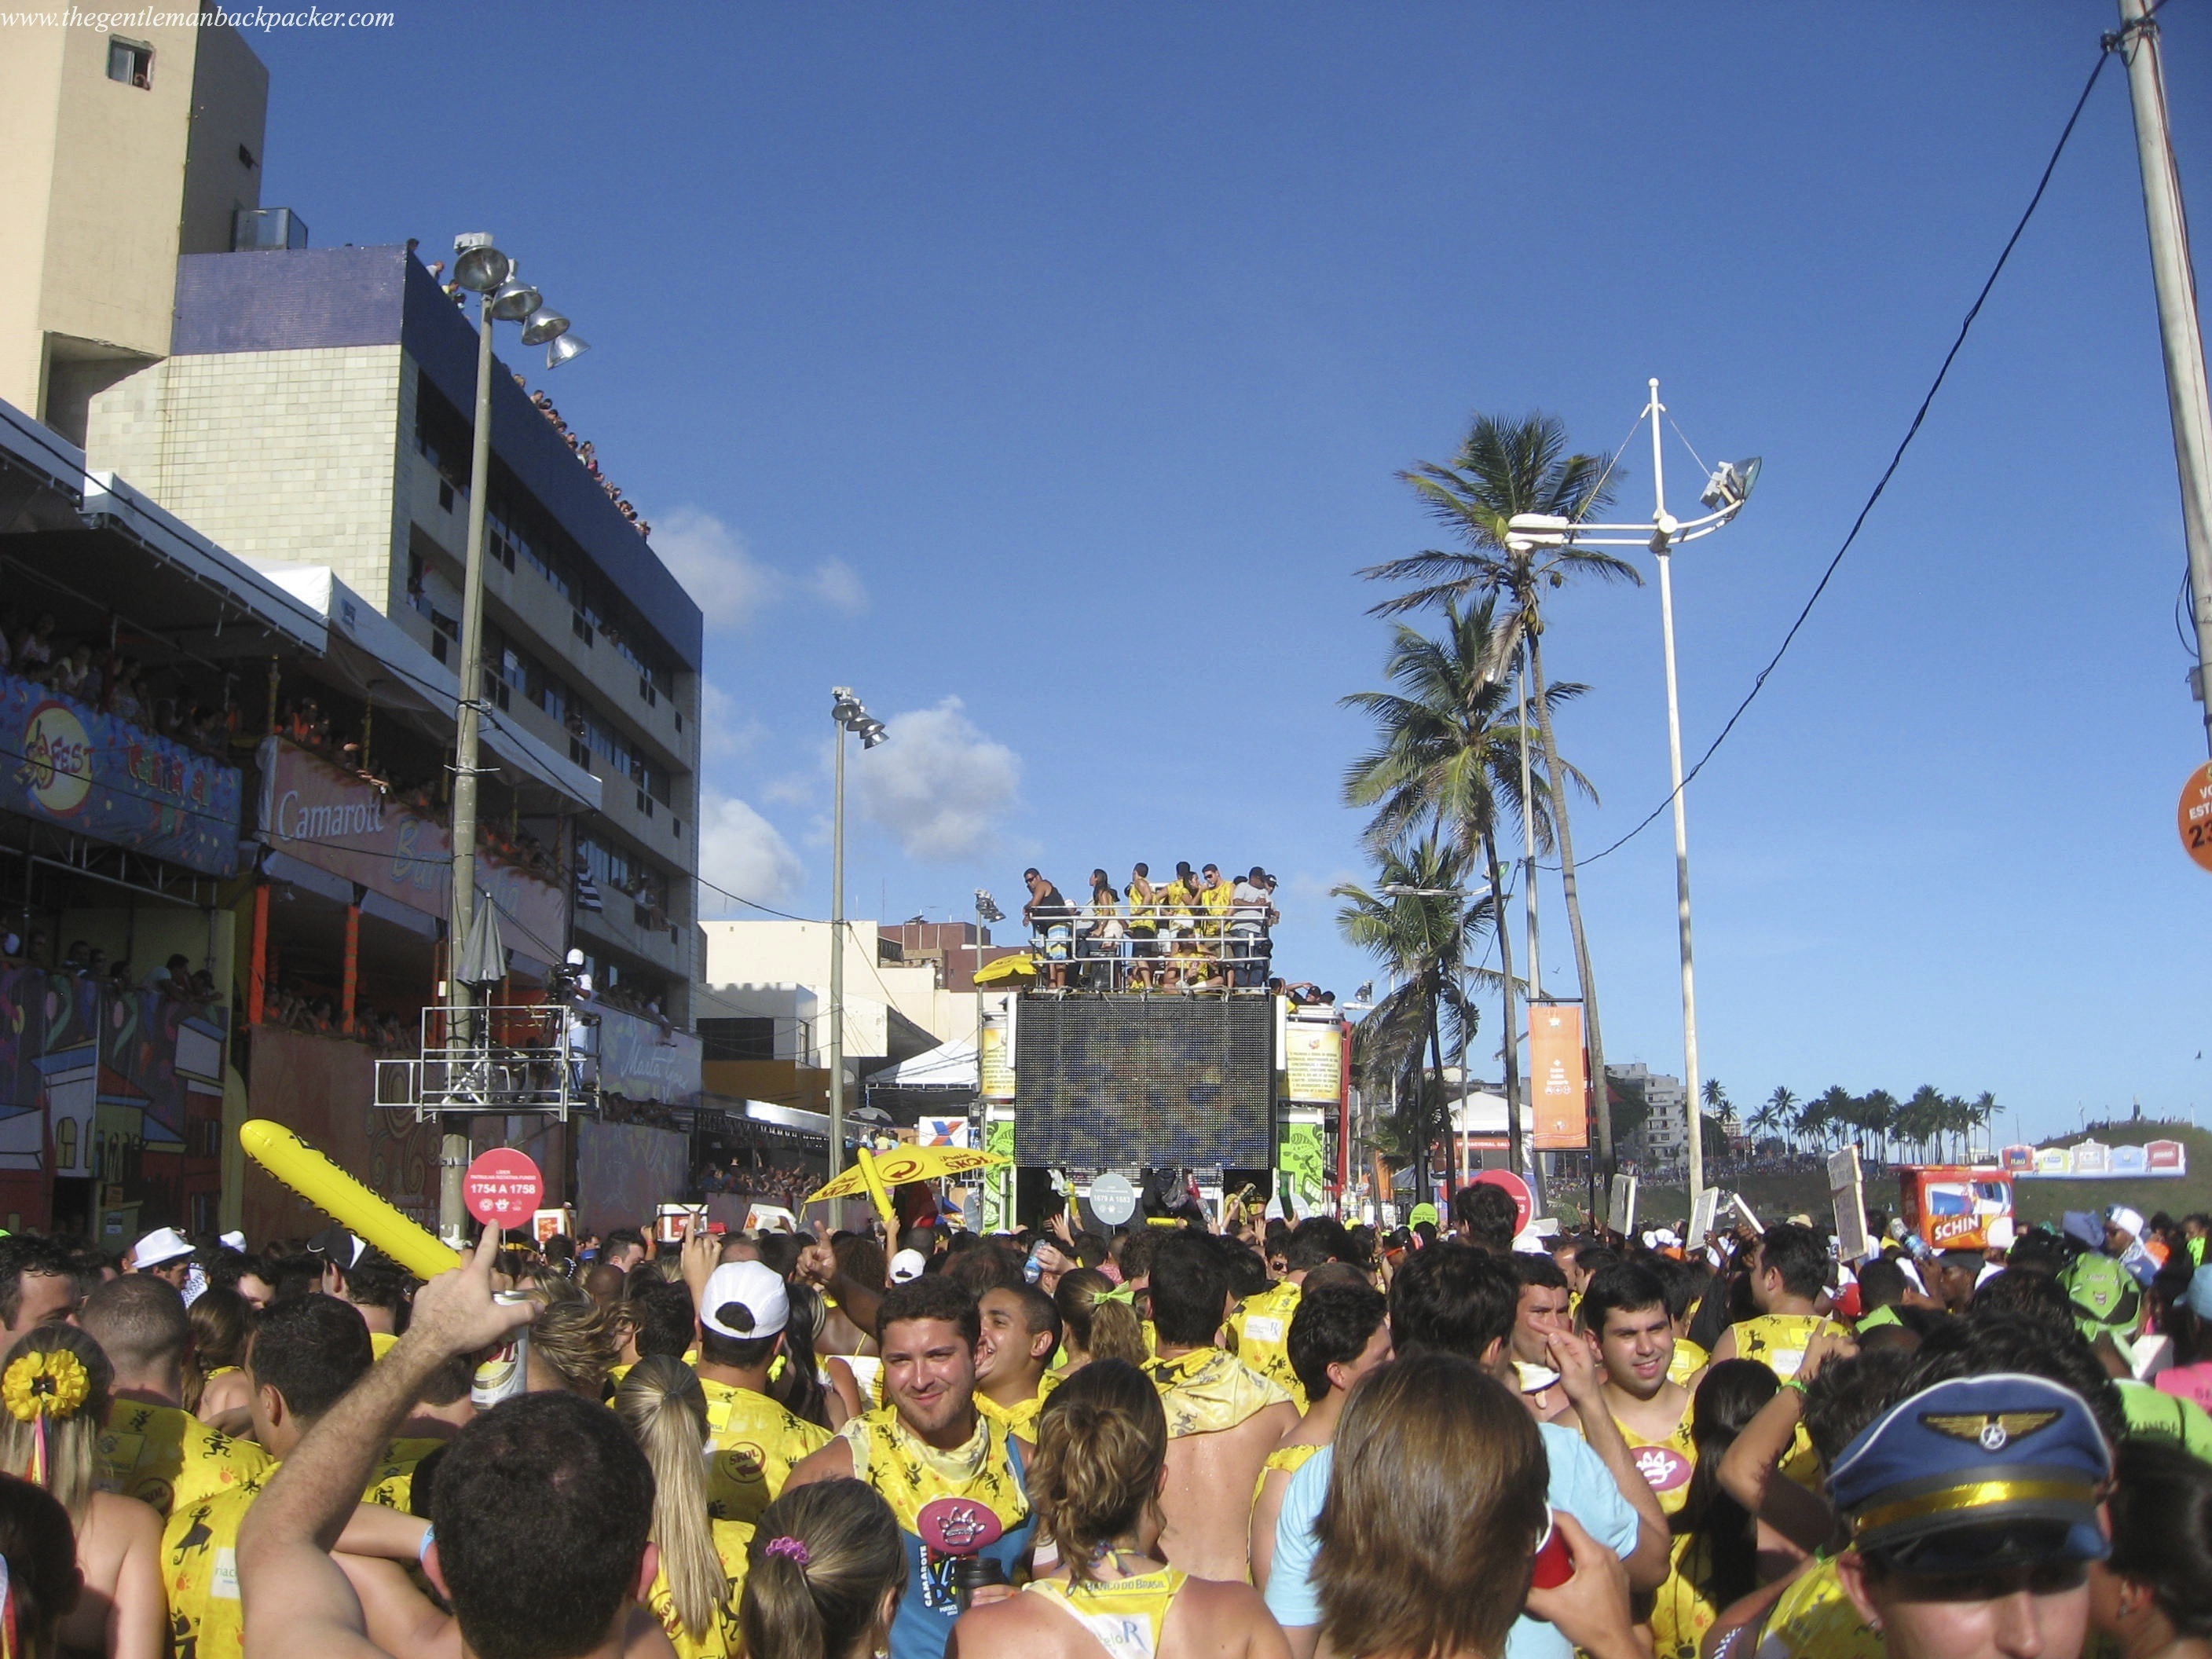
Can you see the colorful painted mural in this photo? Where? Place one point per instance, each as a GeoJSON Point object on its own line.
{"type": "Point", "coordinates": [63, 761]}
{"type": "Point", "coordinates": [111, 1106]}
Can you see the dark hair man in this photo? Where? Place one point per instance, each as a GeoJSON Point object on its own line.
{"type": "Point", "coordinates": [1789, 1274]}
{"type": "Point", "coordinates": [356, 1272]}
{"type": "Point", "coordinates": [623, 1249]}
{"type": "Point", "coordinates": [1459, 1300]}
{"type": "Point", "coordinates": [1019, 1333]}
{"type": "Point", "coordinates": [548, 1480]}
{"type": "Point", "coordinates": [38, 1286]}
{"type": "Point", "coordinates": [932, 1443]}
{"type": "Point", "coordinates": [1624, 1309]}
{"type": "Point", "coordinates": [1260, 1326]}
{"type": "Point", "coordinates": [1339, 1333]}
{"type": "Point", "coordinates": [1484, 1216]}
{"type": "Point", "coordinates": [154, 1450]}
{"type": "Point", "coordinates": [1540, 1314]}
{"type": "Point", "coordinates": [306, 1352]}
{"type": "Point", "coordinates": [1223, 1418]}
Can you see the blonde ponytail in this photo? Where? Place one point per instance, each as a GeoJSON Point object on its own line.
{"type": "Point", "coordinates": [1102, 1441]}
{"type": "Point", "coordinates": [661, 1401]}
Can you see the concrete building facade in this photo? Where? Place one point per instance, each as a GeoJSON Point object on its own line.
{"type": "Point", "coordinates": [118, 153]}
{"type": "Point", "coordinates": [311, 413]}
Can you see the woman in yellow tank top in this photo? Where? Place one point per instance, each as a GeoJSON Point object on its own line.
{"type": "Point", "coordinates": [702, 1561]}
{"type": "Point", "coordinates": [1101, 1458]}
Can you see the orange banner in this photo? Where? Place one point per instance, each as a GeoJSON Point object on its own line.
{"type": "Point", "coordinates": [1559, 1077]}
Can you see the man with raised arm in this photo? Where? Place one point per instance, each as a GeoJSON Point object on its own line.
{"type": "Point", "coordinates": [540, 1514]}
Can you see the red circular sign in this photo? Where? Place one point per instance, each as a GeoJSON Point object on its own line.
{"type": "Point", "coordinates": [1515, 1188]}
{"type": "Point", "coordinates": [2196, 815]}
{"type": "Point", "coordinates": [502, 1188]}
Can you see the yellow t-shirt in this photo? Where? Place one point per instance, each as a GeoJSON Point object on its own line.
{"type": "Point", "coordinates": [1815, 1619]}
{"type": "Point", "coordinates": [200, 1571]}
{"type": "Point", "coordinates": [1667, 1463]}
{"type": "Point", "coordinates": [391, 1483]}
{"type": "Point", "coordinates": [1689, 1360]}
{"type": "Point", "coordinates": [719, 1639]}
{"type": "Point", "coordinates": [756, 1441]}
{"type": "Point", "coordinates": [169, 1459]}
{"type": "Point", "coordinates": [1681, 1610]}
{"type": "Point", "coordinates": [1261, 1326]}
{"type": "Point", "coordinates": [1778, 1341]}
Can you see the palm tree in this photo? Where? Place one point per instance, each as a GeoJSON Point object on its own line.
{"type": "Point", "coordinates": [1446, 761]}
{"type": "Point", "coordinates": [1780, 1112]}
{"type": "Point", "coordinates": [1502, 468]}
{"type": "Point", "coordinates": [1831, 1113]}
{"type": "Point", "coordinates": [1426, 939]}
{"type": "Point", "coordinates": [1877, 1116]}
{"type": "Point", "coordinates": [1982, 1113]}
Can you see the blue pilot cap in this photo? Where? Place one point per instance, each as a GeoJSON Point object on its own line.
{"type": "Point", "coordinates": [1979, 1473]}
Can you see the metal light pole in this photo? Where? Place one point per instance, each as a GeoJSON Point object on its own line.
{"type": "Point", "coordinates": [1725, 494]}
{"type": "Point", "coordinates": [486, 272]}
{"type": "Point", "coordinates": [1662, 549]}
{"type": "Point", "coordinates": [2180, 330]}
{"type": "Point", "coordinates": [846, 715]}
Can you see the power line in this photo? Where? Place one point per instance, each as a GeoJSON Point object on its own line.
{"type": "Point", "coordinates": [1882, 483]}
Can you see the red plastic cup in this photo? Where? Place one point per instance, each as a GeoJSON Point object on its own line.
{"type": "Point", "coordinates": [1554, 1565]}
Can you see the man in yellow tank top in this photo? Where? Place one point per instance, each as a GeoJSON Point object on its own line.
{"type": "Point", "coordinates": [1789, 1277]}
{"type": "Point", "coordinates": [930, 1455]}
{"type": "Point", "coordinates": [1020, 1332]}
{"type": "Point", "coordinates": [153, 1449]}
{"type": "Point", "coordinates": [1624, 1311]}
{"type": "Point", "coordinates": [743, 1311]}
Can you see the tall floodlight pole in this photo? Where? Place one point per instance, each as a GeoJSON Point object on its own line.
{"type": "Point", "coordinates": [848, 715]}
{"type": "Point", "coordinates": [482, 270]}
{"type": "Point", "coordinates": [2180, 329]}
{"type": "Point", "coordinates": [1662, 549]}
{"type": "Point", "coordinates": [1725, 494]}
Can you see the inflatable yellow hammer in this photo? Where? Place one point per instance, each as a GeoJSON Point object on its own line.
{"type": "Point", "coordinates": [349, 1203]}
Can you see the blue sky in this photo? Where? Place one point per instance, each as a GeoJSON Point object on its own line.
{"type": "Point", "coordinates": [1041, 371]}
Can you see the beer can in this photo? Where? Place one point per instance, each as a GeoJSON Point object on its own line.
{"type": "Point", "coordinates": [505, 1372]}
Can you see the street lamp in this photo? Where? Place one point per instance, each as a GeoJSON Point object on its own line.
{"type": "Point", "coordinates": [846, 715]}
{"type": "Point", "coordinates": [1725, 494]}
{"type": "Point", "coordinates": [488, 274]}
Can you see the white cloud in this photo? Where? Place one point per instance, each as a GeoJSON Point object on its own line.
{"type": "Point", "coordinates": [838, 586]}
{"type": "Point", "coordinates": [715, 567]}
{"type": "Point", "coordinates": [940, 785]}
{"type": "Point", "coordinates": [742, 853]}
{"type": "Point", "coordinates": [724, 733]}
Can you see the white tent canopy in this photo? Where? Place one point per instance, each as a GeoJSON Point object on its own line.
{"type": "Point", "coordinates": [948, 1065]}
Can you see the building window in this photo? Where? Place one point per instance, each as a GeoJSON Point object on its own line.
{"type": "Point", "coordinates": [737, 1039]}
{"type": "Point", "coordinates": [130, 63]}
{"type": "Point", "coordinates": [65, 1144]}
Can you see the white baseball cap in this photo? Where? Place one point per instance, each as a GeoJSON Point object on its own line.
{"type": "Point", "coordinates": [907, 1264]}
{"type": "Point", "coordinates": [748, 1286]}
{"type": "Point", "coordinates": [2127, 1220]}
{"type": "Point", "coordinates": [236, 1241]}
{"type": "Point", "coordinates": [162, 1245]}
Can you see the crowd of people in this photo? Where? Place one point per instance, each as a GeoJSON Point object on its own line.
{"type": "Point", "coordinates": [1197, 932]}
{"type": "Point", "coordinates": [1161, 1442]}
{"type": "Point", "coordinates": [93, 672]}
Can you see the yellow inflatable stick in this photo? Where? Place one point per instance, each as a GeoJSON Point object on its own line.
{"type": "Point", "coordinates": [330, 1188]}
{"type": "Point", "coordinates": [882, 1200]}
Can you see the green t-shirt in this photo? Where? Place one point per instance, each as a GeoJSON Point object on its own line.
{"type": "Point", "coordinates": [2150, 1413]}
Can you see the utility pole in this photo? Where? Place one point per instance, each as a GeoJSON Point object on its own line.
{"type": "Point", "coordinates": [837, 967]}
{"type": "Point", "coordinates": [453, 1144]}
{"type": "Point", "coordinates": [2180, 331]}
